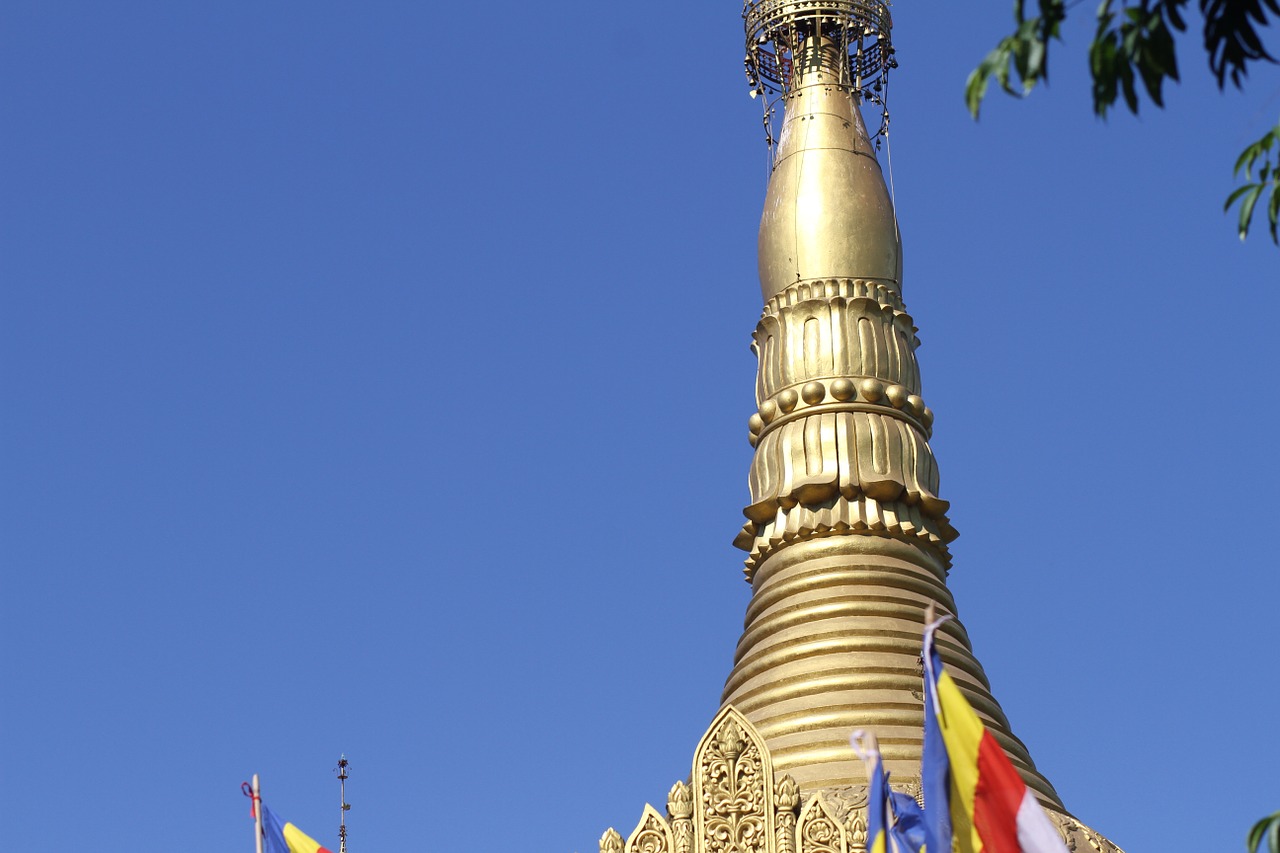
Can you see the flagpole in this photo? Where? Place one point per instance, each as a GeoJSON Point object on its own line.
{"type": "Point", "coordinates": [257, 814]}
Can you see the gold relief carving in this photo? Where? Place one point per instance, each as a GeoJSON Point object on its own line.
{"type": "Point", "coordinates": [898, 403]}
{"type": "Point", "coordinates": [680, 810]}
{"type": "Point", "coordinates": [857, 829]}
{"type": "Point", "coordinates": [847, 805]}
{"type": "Point", "coordinates": [786, 800]}
{"type": "Point", "coordinates": [1080, 838]}
{"type": "Point", "coordinates": [734, 806]}
{"type": "Point", "coordinates": [611, 841]}
{"type": "Point", "coordinates": [732, 781]}
{"type": "Point", "coordinates": [850, 454]}
{"type": "Point", "coordinates": [841, 516]}
{"type": "Point", "coordinates": [1097, 842]}
{"type": "Point", "coordinates": [841, 435]}
{"type": "Point", "coordinates": [820, 830]}
{"type": "Point", "coordinates": [680, 802]}
{"type": "Point", "coordinates": [884, 293]}
{"type": "Point", "coordinates": [831, 338]}
{"type": "Point", "coordinates": [651, 835]}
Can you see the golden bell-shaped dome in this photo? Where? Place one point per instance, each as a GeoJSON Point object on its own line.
{"type": "Point", "coordinates": [827, 213]}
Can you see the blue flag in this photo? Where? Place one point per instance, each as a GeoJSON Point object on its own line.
{"type": "Point", "coordinates": [935, 766]}
{"type": "Point", "coordinates": [907, 829]}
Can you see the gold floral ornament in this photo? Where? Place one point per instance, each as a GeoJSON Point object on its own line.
{"type": "Point", "coordinates": [611, 841]}
{"type": "Point", "coordinates": [820, 830]}
{"type": "Point", "coordinates": [651, 835]}
{"type": "Point", "coordinates": [732, 782]}
{"type": "Point", "coordinates": [786, 800]}
{"type": "Point", "coordinates": [680, 810]}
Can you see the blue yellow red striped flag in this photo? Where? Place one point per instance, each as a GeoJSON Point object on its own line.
{"type": "Point", "coordinates": [992, 809]}
{"type": "Point", "coordinates": [285, 837]}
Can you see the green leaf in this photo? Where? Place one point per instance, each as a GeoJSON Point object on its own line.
{"type": "Point", "coordinates": [1273, 216]}
{"type": "Point", "coordinates": [1126, 83]}
{"type": "Point", "coordinates": [975, 89]}
{"type": "Point", "coordinates": [1246, 158]}
{"type": "Point", "coordinates": [1160, 52]}
{"type": "Point", "coordinates": [1105, 75]}
{"type": "Point", "coordinates": [1025, 53]}
{"type": "Point", "coordinates": [1231, 199]}
{"type": "Point", "coordinates": [1036, 52]}
{"type": "Point", "coordinates": [1246, 208]}
{"type": "Point", "coordinates": [1152, 81]}
{"type": "Point", "coordinates": [1175, 17]}
{"type": "Point", "coordinates": [1264, 829]}
{"type": "Point", "coordinates": [1260, 154]}
{"type": "Point", "coordinates": [1001, 70]}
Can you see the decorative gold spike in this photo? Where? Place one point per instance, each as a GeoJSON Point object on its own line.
{"type": "Point", "coordinates": [651, 835]}
{"type": "Point", "coordinates": [611, 841]}
{"type": "Point", "coordinates": [786, 802]}
{"type": "Point", "coordinates": [680, 810]}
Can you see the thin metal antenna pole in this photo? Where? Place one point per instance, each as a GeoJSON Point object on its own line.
{"type": "Point", "coordinates": [342, 782]}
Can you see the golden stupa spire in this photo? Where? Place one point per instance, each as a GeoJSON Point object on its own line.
{"type": "Point", "coordinates": [846, 535]}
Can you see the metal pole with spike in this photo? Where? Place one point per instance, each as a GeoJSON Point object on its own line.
{"type": "Point", "coordinates": [342, 825]}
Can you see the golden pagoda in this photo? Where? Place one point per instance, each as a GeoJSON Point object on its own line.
{"type": "Point", "coordinates": [846, 535]}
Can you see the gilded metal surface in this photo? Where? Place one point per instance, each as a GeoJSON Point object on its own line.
{"type": "Point", "coordinates": [832, 644]}
{"type": "Point", "coordinates": [827, 213]}
{"type": "Point", "coordinates": [846, 533]}
{"type": "Point", "coordinates": [841, 431]}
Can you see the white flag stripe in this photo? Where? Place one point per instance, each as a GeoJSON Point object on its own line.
{"type": "Point", "coordinates": [1036, 833]}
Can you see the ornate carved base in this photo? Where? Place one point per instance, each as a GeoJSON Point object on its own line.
{"type": "Point", "coordinates": [733, 804]}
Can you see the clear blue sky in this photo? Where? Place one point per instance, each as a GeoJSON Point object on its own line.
{"type": "Point", "coordinates": [375, 380]}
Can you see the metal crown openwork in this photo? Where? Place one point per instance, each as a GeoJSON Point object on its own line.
{"type": "Point", "coordinates": [852, 42]}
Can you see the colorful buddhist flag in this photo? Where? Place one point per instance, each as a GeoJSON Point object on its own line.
{"type": "Point", "coordinates": [286, 838]}
{"type": "Point", "coordinates": [935, 767]}
{"type": "Point", "coordinates": [907, 826]}
{"type": "Point", "coordinates": [992, 809]}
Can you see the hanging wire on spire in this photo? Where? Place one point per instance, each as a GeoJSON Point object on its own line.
{"type": "Point", "coordinates": [341, 770]}
{"type": "Point", "coordinates": [888, 153]}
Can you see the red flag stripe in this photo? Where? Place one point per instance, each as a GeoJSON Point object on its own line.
{"type": "Point", "coordinates": [997, 799]}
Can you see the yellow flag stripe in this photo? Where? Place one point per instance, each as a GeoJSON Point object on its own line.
{"type": "Point", "coordinates": [299, 841]}
{"type": "Point", "coordinates": [962, 732]}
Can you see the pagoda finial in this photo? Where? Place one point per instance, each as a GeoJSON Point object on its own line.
{"type": "Point", "coordinates": [847, 535]}
{"type": "Point", "coordinates": [828, 211]}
